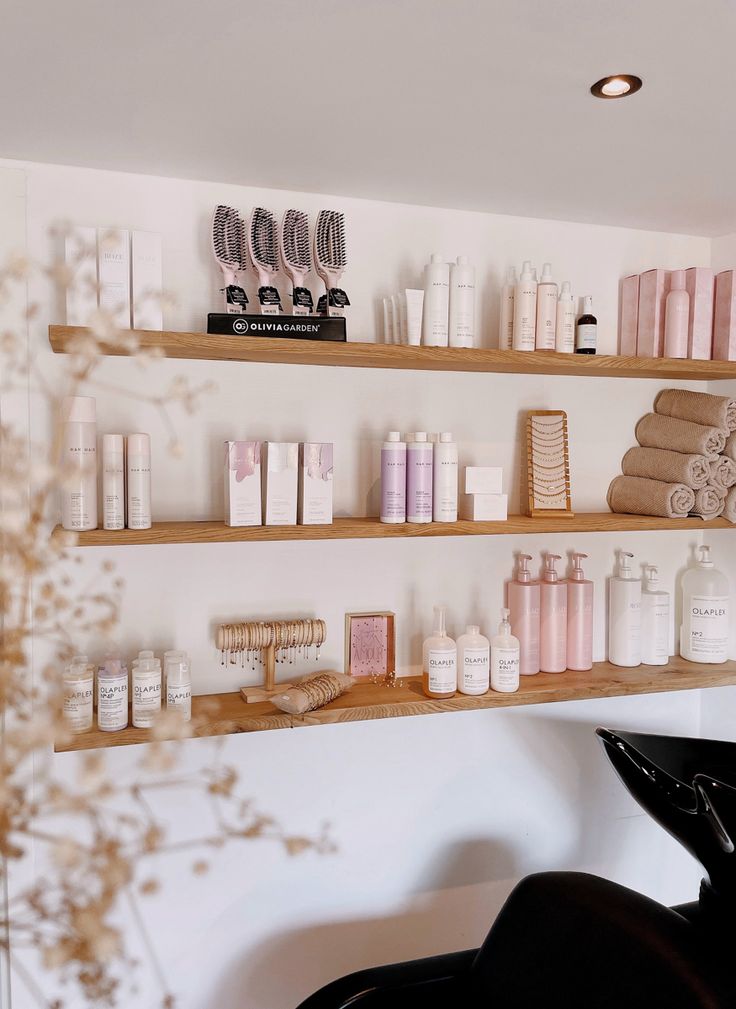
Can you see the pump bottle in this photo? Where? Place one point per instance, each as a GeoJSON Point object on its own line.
{"type": "Point", "coordinates": [655, 620]}
{"type": "Point", "coordinates": [546, 310]}
{"type": "Point", "coordinates": [705, 612]}
{"type": "Point", "coordinates": [505, 658]}
{"type": "Point", "coordinates": [579, 617]}
{"type": "Point", "coordinates": [525, 309]}
{"type": "Point", "coordinates": [624, 615]}
{"type": "Point", "coordinates": [586, 331]}
{"type": "Point", "coordinates": [524, 598]}
{"type": "Point", "coordinates": [565, 328]}
{"type": "Point", "coordinates": [439, 660]}
{"type": "Point", "coordinates": [553, 619]}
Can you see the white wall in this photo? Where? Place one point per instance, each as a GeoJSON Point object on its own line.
{"type": "Point", "coordinates": [436, 816]}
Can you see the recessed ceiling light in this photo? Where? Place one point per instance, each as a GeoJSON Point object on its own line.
{"type": "Point", "coordinates": [616, 86]}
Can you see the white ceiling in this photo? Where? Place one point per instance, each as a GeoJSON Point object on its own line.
{"type": "Point", "coordinates": [476, 104]}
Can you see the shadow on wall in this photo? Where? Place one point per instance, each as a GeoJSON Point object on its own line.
{"type": "Point", "coordinates": [461, 894]}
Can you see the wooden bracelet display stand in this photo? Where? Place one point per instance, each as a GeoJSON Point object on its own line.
{"type": "Point", "coordinates": [272, 641]}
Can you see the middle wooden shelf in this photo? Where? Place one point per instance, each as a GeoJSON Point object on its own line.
{"type": "Point", "coordinates": [372, 528]}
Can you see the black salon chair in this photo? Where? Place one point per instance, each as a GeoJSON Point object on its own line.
{"type": "Point", "coordinates": [567, 939]}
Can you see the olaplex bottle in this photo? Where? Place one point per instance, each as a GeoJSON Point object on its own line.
{"type": "Point", "coordinates": [79, 463]}
{"type": "Point", "coordinates": [113, 481]}
{"type": "Point", "coordinates": [706, 603]}
{"type": "Point", "coordinates": [419, 454]}
{"type": "Point", "coordinates": [139, 481]}
{"type": "Point", "coordinates": [78, 687]}
{"type": "Point", "coordinates": [655, 620]}
{"type": "Point", "coordinates": [524, 598]}
{"type": "Point", "coordinates": [624, 615]}
{"type": "Point", "coordinates": [435, 313]}
{"type": "Point", "coordinates": [444, 479]}
{"type": "Point", "coordinates": [473, 661]}
{"type": "Point", "coordinates": [546, 310]}
{"type": "Point", "coordinates": [525, 309]}
{"type": "Point", "coordinates": [112, 695]}
{"type": "Point", "coordinates": [586, 331]}
{"type": "Point", "coordinates": [146, 677]}
{"type": "Point", "coordinates": [505, 658]}
{"type": "Point", "coordinates": [462, 304]}
{"type": "Point", "coordinates": [439, 660]}
{"type": "Point", "coordinates": [506, 322]}
{"type": "Point", "coordinates": [393, 479]}
{"type": "Point", "coordinates": [178, 676]}
{"type": "Point", "coordinates": [552, 619]}
{"type": "Point", "coordinates": [579, 617]}
{"type": "Point", "coordinates": [565, 328]}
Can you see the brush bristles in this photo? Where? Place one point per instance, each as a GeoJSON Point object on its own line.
{"type": "Point", "coordinates": [228, 237]}
{"type": "Point", "coordinates": [295, 249]}
{"type": "Point", "coordinates": [330, 250]}
{"type": "Point", "coordinates": [263, 239]}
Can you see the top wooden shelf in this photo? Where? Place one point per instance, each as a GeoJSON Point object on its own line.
{"type": "Point", "coordinates": [210, 347]}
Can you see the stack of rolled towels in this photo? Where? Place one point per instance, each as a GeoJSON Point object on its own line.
{"type": "Point", "coordinates": [685, 462]}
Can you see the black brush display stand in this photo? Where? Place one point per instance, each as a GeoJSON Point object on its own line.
{"type": "Point", "coordinates": [285, 327]}
{"type": "Point", "coordinates": [567, 939]}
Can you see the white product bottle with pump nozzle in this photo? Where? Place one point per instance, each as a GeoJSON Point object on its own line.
{"type": "Point", "coordinates": [525, 309]}
{"type": "Point", "coordinates": [439, 660]}
{"type": "Point", "coordinates": [546, 310]}
{"type": "Point", "coordinates": [655, 620]}
{"type": "Point", "coordinates": [624, 615]}
{"type": "Point", "coordinates": [435, 312]}
{"type": "Point", "coordinates": [586, 330]}
{"type": "Point", "coordinates": [79, 463]}
{"type": "Point", "coordinates": [524, 603]}
{"type": "Point", "coordinates": [565, 328]}
{"type": "Point", "coordinates": [706, 604]}
{"type": "Point", "coordinates": [506, 323]}
{"type": "Point", "coordinates": [444, 479]}
{"type": "Point", "coordinates": [473, 661]}
{"type": "Point", "coordinates": [579, 617]}
{"type": "Point", "coordinates": [505, 658]}
{"type": "Point", "coordinates": [78, 685]}
{"type": "Point", "coordinates": [461, 329]}
{"type": "Point", "coordinates": [146, 690]}
{"type": "Point", "coordinates": [112, 695]}
{"type": "Point", "coordinates": [393, 479]}
{"type": "Point", "coordinates": [552, 619]}
{"type": "Point", "coordinates": [139, 481]}
{"type": "Point", "coordinates": [113, 481]}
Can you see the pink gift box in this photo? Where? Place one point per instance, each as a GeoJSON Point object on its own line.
{"type": "Point", "coordinates": [724, 324]}
{"type": "Point", "coordinates": [654, 286]}
{"type": "Point", "coordinates": [629, 318]}
{"type": "Point", "coordinates": [699, 285]}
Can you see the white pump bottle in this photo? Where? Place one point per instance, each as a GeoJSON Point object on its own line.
{"type": "Point", "coordinates": [624, 615]}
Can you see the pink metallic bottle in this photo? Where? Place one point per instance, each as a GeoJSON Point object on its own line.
{"type": "Point", "coordinates": [579, 617]}
{"type": "Point", "coordinates": [552, 619]}
{"type": "Point", "coordinates": [523, 595]}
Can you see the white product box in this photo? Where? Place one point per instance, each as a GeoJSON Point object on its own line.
{"type": "Point", "coordinates": [146, 280]}
{"type": "Point", "coordinates": [483, 479]}
{"type": "Point", "coordinates": [80, 258]}
{"type": "Point", "coordinates": [113, 269]}
{"type": "Point", "coordinates": [315, 483]}
{"type": "Point", "coordinates": [280, 480]}
{"type": "Point", "coordinates": [242, 483]}
{"type": "Point", "coordinates": [484, 507]}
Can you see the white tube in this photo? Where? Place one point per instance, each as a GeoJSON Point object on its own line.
{"type": "Point", "coordinates": [414, 305]}
{"type": "Point", "coordinates": [139, 481]}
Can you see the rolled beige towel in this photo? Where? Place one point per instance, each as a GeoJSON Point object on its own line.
{"type": "Point", "coordinates": [635, 495]}
{"type": "Point", "coordinates": [672, 467]}
{"type": "Point", "coordinates": [729, 448]}
{"type": "Point", "coordinates": [722, 472]}
{"type": "Point", "coordinates": [729, 506]}
{"type": "Point", "coordinates": [655, 431]}
{"type": "Point", "coordinates": [698, 407]}
{"type": "Point", "coordinates": [709, 503]}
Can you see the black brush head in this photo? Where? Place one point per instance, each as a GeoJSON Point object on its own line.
{"type": "Point", "coordinates": [329, 240]}
{"type": "Point", "coordinates": [263, 239]}
{"type": "Point", "coordinates": [295, 241]}
{"type": "Point", "coordinates": [229, 237]}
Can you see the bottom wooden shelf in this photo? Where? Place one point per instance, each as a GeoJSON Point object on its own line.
{"type": "Point", "coordinates": [224, 714]}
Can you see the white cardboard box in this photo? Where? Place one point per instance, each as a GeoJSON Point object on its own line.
{"type": "Point", "coordinates": [80, 257]}
{"type": "Point", "coordinates": [483, 479]}
{"type": "Point", "coordinates": [242, 483]}
{"type": "Point", "coordinates": [113, 267]}
{"type": "Point", "coordinates": [315, 484]}
{"type": "Point", "coordinates": [484, 507]}
{"type": "Point", "coordinates": [146, 280]}
{"type": "Point", "coordinates": [280, 480]}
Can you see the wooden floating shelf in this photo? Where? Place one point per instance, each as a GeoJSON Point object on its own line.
{"type": "Point", "coordinates": [227, 714]}
{"type": "Point", "coordinates": [371, 528]}
{"type": "Point", "coordinates": [210, 347]}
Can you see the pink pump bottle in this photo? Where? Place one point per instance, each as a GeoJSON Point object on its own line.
{"type": "Point", "coordinates": [579, 617]}
{"type": "Point", "coordinates": [523, 595]}
{"type": "Point", "coordinates": [553, 619]}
